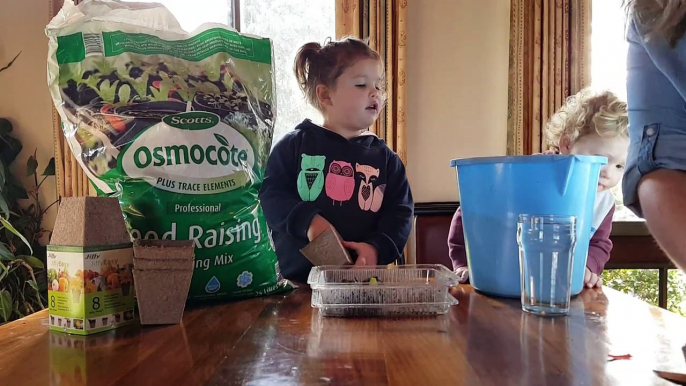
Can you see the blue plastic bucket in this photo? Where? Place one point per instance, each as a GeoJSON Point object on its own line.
{"type": "Point", "coordinates": [494, 191]}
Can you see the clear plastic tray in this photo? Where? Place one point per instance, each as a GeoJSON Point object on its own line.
{"type": "Point", "coordinates": [397, 290]}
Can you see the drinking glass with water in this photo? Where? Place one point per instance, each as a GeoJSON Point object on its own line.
{"type": "Point", "coordinates": [546, 248]}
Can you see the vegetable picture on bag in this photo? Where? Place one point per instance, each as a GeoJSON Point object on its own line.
{"type": "Point", "coordinates": [178, 127]}
{"type": "Point", "coordinates": [120, 103]}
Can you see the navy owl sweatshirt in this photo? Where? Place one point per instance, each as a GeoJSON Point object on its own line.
{"type": "Point", "coordinates": [358, 185]}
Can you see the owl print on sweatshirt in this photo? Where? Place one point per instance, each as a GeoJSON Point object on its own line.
{"type": "Point", "coordinates": [340, 182]}
{"type": "Point", "coordinates": [311, 177]}
{"type": "Point", "coordinates": [369, 196]}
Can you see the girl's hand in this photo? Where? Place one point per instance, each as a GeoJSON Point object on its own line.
{"type": "Point", "coordinates": [462, 274]}
{"type": "Point", "coordinates": [591, 280]}
{"type": "Point", "coordinates": [317, 227]}
{"type": "Point", "coordinates": [366, 253]}
{"type": "Point", "coordinates": [590, 295]}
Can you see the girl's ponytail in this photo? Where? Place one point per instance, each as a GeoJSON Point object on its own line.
{"type": "Point", "coordinates": [303, 65]}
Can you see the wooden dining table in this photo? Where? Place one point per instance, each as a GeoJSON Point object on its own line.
{"type": "Point", "coordinates": [282, 340]}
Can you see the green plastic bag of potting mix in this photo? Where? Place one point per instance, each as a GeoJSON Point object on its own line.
{"type": "Point", "coordinates": [176, 125]}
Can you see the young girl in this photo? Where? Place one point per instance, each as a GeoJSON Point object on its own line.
{"type": "Point", "coordinates": [337, 174]}
{"type": "Point", "coordinates": [589, 123]}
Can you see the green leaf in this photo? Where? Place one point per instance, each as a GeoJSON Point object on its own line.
{"type": "Point", "coordinates": [206, 87]}
{"type": "Point", "coordinates": [11, 269]}
{"type": "Point", "coordinates": [213, 75]}
{"type": "Point", "coordinates": [4, 271]}
{"type": "Point", "coordinates": [70, 72]}
{"type": "Point", "coordinates": [5, 305]}
{"type": "Point", "coordinates": [10, 148]}
{"type": "Point", "coordinates": [2, 176]}
{"type": "Point", "coordinates": [5, 126]}
{"type": "Point", "coordinates": [34, 262]}
{"type": "Point", "coordinates": [50, 169]}
{"type": "Point", "coordinates": [165, 85]}
{"type": "Point", "coordinates": [14, 189]}
{"type": "Point", "coordinates": [228, 83]}
{"type": "Point", "coordinates": [221, 139]}
{"type": "Point", "coordinates": [92, 82]}
{"type": "Point", "coordinates": [31, 166]}
{"type": "Point", "coordinates": [158, 95]}
{"type": "Point", "coordinates": [5, 253]}
{"type": "Point", "coordinates": [4, 209]}
{"type": "Point", "coordinates": [140, 84]}
{"type": "Point", "coordinates": [9, 226]}
{"type": "Point", "coordinates": [33, 284]}
{"type": "Point", "coordinates": [42, 285]}
{"type": "Point", "coordinates": [104, 66]}
{"type": "Point", "coordinates": [107, 91]}
{"type": "Point", "coordinates": [183, 89]}
{"type": "Point", "coordinates": [124, 94]}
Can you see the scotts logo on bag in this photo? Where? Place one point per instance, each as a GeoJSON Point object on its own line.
{"type": "Point", "coordinates": [213, 158]}
{"type": "Point", "coordinates": [192, 121]}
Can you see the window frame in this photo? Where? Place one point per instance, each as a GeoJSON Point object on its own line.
{"type": "Point", "coordinates": [236, 15]}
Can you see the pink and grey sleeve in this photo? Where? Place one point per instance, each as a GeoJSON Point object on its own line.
{"type": "Point", "coordinates": [600, 245]}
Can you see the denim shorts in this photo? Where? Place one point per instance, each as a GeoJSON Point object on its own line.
{"type": "Point", "coordinates": [656, 93]}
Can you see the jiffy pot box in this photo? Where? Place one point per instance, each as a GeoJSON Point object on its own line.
{"type": "Point", "coordinates": [90, 261]}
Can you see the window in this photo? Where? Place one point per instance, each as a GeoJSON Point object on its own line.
{"type": "Point", "coordinates": [191, 14]}
{"type": "Point", "coordinates": [289, 24]}
{"type": "Point", "coordinates": [608, 66]}
{"type": "Point", "coordinates": [608, 71]}
{"type": "Point", "coordinates": [643, 284]}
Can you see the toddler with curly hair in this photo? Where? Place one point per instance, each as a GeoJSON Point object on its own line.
{"type": "Point", "coordinates": [590, 123]}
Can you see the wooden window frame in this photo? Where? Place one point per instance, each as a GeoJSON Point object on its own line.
{"type": "Point", "coordinates": [236, 14]}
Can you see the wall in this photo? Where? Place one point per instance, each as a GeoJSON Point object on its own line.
{"type": "Point", "coordinates": [457, 89]}
{"type": "Point", "coordinates": [24, 97]}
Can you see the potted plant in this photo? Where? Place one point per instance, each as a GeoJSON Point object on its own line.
{"type": "Point", "coordinates": [23, 283]}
